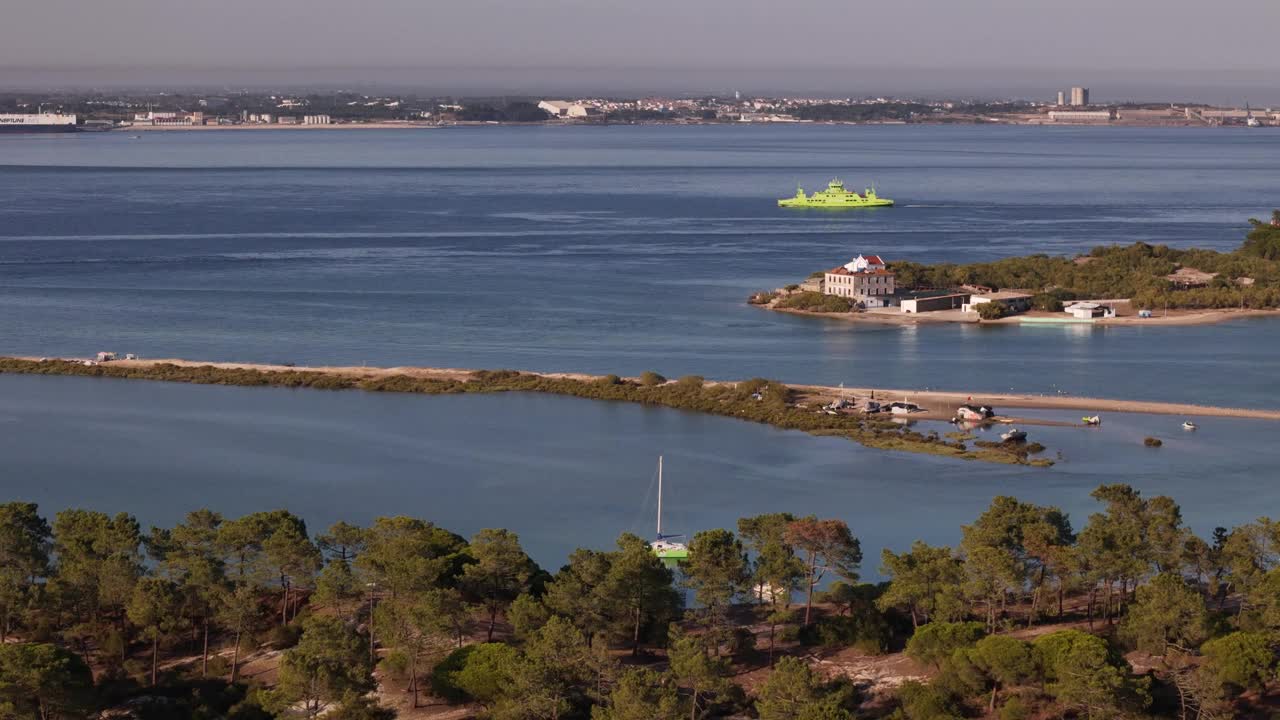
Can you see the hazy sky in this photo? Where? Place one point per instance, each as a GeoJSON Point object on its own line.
{"type": "Point", "coordinates": [846, 45]}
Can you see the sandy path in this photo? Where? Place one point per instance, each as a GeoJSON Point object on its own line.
{"type": "Point", "coordinates": [937, 404]}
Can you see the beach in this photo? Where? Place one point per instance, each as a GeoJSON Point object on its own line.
{"type": "Point", "coordinates": [934, 404]}
{"type": "Point", "coordinates": [893, 316]}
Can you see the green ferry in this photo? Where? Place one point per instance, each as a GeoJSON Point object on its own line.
{"type": "Point", "coordinates": [835, 196]}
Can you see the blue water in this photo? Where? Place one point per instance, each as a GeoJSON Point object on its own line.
{"type": "Point", "coordinates": [599, 250]}
{"type": "Point", "coordinates": [610, 249]}
{"type": "Point", "coordinates": [562, 472]}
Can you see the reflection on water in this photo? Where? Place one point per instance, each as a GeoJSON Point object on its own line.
{"type": "Point", "coordinates": [564, 472]}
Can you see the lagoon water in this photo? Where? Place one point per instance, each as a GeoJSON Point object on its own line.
{"type": "Point", "coordinates": [564, 472]}
{"type": "Point", "coordinates": [615, 249]}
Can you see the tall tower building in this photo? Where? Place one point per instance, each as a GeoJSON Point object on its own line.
{"type": "Point", "coordinates": [1062, 98]}
{"type": "Point", "coordinates": [1079, 96]}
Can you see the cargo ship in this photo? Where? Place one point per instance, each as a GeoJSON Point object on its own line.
{"type": "Point", "coordinates": [835, 196]}
{"type": "Point", "coordinates": [37, 123]}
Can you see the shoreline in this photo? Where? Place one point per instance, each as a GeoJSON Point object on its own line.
{"type": "Point", "coordinates": [1176, 318]}
{"type": "Point", "coordinates": [940, 399]}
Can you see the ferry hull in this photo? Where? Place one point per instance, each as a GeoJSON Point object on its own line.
{"type": "Point", "coordinates": [836, 205]}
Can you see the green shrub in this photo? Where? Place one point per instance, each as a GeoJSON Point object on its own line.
{"type": "Point", "coordinates": [474, 673]}
{"type": "Point", "coordinates": [1048, 302]}
{"type": "Point", "coordinates": [937, 641]}
{"type": "Point", "coordinates": [1014, 709]}
{"type": "Point", "coordinates": [649, 378]}
{"type": "Point", "coordinates": [868, 633]}
{"type": "Point", "coordinates": [1152, 442]}
{"type": "Point", "coordinates": [992, 311]}
{"type": "Point", "coordinates": [815, 302]}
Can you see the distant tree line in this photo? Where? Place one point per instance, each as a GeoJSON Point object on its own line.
{"type": "Point", "coordinates": [510, 112]}
{"type": "Point", "coordinates": [1248, 277]}
{"type": "Point", "coordinates": [98, 613]}
{"type": "Point", "coordinates": [832, 112]}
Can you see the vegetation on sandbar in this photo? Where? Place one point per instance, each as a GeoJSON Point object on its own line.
{"type": "Point", "coordinates": [255, 617]}
{"type": "Point", "coordinates": [1249, 277]}
{"type": "Point", "coordinates": [757, 400]}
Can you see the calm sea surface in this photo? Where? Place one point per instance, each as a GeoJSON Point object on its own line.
{"type": "Point", "coordinates": [610, 249]}
{"type": "Point", "coordinates": [564, 472]}
{"type": "Point", "coordinates": [600, 250]}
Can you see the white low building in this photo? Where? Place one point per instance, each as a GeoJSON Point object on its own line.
{"type": "Point", "coordinates": [1090, 310]}
{"type": "Point", "coordinates": [1012, 301]}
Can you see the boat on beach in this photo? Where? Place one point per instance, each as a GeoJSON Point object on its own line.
{"type": "Point", "coordinates": [1092, 420]}
{"type": "Point", "coordinates": [835, 197]}
{"type": "Point", "coordinates": [1014, 435]}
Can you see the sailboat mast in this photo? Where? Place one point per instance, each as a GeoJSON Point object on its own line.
{"type": "Point", "coordinates": [659, 497]}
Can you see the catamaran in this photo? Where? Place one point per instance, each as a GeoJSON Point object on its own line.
{"type": "Point", "coordinates": [663, 546]}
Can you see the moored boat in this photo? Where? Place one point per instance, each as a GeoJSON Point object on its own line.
{"type": "Point", "coordinates": [1014, 435]}
{"type": "Point", "coordinates": [1188, 425]}
{"type": "Point", "coordinates": [663, 546]}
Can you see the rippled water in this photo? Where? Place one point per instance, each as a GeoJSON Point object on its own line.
{"type": "Point", "coordinates": [609, 249]}
{"type": "Point", "coordinates": [563, 472]}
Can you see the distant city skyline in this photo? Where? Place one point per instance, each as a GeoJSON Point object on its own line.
{"type": "Point", "coordinates": [1140, 49]}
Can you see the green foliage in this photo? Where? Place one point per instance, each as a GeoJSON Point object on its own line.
{"type": "Point", "coordinates": [866, 632]}
{"type": "Point", "coordinates": [794, 692]}
{"type": "Point", "coordinates": [1263, 241]}
{"type": "Point", "coordinates": [360, 707]}
{"type": "Point", "coordinates": [527, 615]}
{"type": "Point", "coordinates": [938, 641]}
{"type": "Point", "coordinates": [1084, 674]}
{"type": "Point", "coordinates": [475, 673]}
{"type": "Point", "coordinates": [1241, 660]}
{"type": "Point", "coordinates": [1136, 271]}
{"type": "Point", "coordinates": [25, 540]}
{"type": "Point", "coordinates": [519, 112]}
{"type": "Point", "coordinates": [992, 310]}
{"type": "Point", "coordinates": [649, 378]}
{"type": "Point", "coordinates": [716, 570]}
{"type": "Point", "coordinates": [1003, 660]}
{"type": "Point", "coordinates": [1152, 442]}
{"type": "Point", "coordinates": [921, 701]}
{"type": "Point", "coordinates": [826, 545]}
{"type": "Point", "coordinates": [1167, 611]}
{"type": "Point", "coordinates": [873, 112]}
{"type": "Point", "coordinates": [775, 408]}
{"type": "Point", "coordinates": [328, 662]}
{"type": "Point", "coordinates": [1047, 302]}
{"type": "Point", "coordinates": [815, 302]}
{"type": "Point", "coordinates": [641, 694]}
{"type": "Point", "coordinates": [43, 681]}
{"type": "Point", "coordinates": [925, 580]}
{"type": "Point", "coordinates": [695, 670]}
{"type": "Point", "coordinates": [501, 571]}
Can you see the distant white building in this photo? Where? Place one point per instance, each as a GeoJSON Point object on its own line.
{"type": "Point", "coordinates": [1012, 301]}
{"type": "Point", "coordinates": [1079, 96]}
{"type": "Point", "coordinates": [316, 120]}
{"type": "Point", "coordinates": [1082, 116]}
{"type": "Point", "coordinates": [1089, 310]}
{"type": "Point", "coordinates": [566, 109]}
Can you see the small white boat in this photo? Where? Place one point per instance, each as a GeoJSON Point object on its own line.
{"type": "Point", "coordinates": [1092, 420]}
{"type": "Point", "coordinates": [1188, 425]}
{"type": "Point", "coordinates": [1014, 435]}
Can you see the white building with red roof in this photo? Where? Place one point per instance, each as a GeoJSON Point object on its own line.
{"type": "Point", "coordinates": [863, 280]}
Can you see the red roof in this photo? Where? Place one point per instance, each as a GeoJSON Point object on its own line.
{"type": "Point", "coordinates": [874, 260]}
